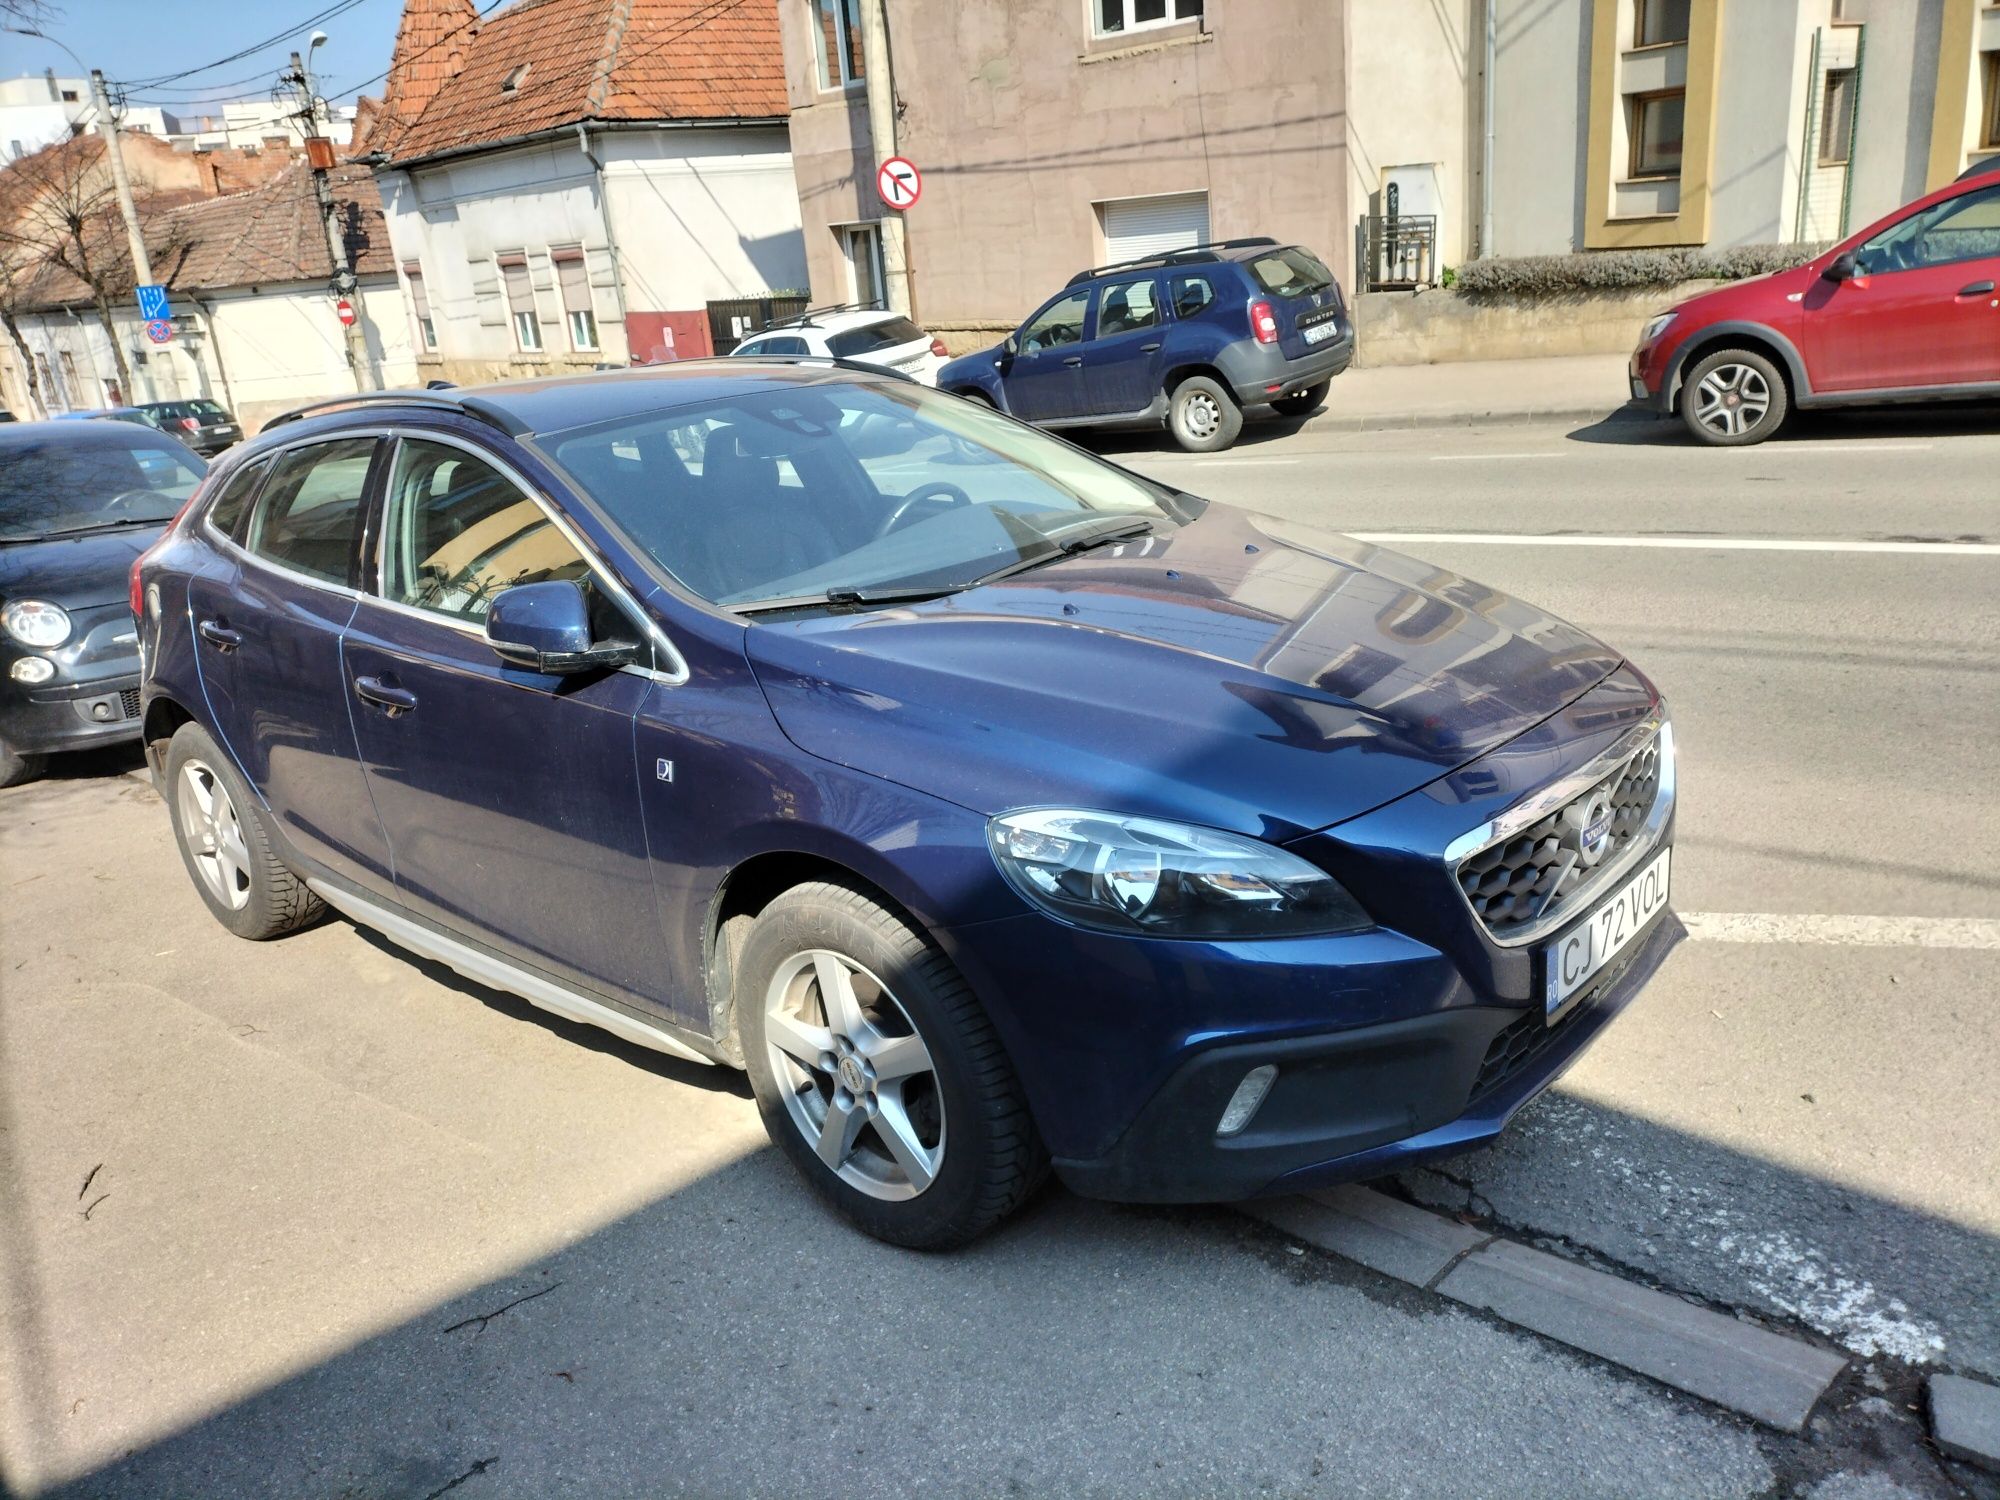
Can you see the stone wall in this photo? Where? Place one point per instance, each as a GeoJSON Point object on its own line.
{"type": "Point", "coordinates": [1406, 328]}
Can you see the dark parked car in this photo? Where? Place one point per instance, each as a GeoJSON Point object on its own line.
{"type": "Point", "coordinates": [1906, 310]}
{"type": "Point", "coordinates": [1184, 340]}
{"type": "Point", "coordinates": [77, 504]}
{"type": "Point", "coordinates": [133, 414]}
{"type": "Point", "coordinates": [203, 425]}
{"type": "Point", "coordinates": [991, 805]}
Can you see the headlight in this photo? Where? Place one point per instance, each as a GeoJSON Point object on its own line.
{"type": "Point", "coordinates": [1656, 326]}
{"type": "Point", "coordinates": [1141, 875]}
{"type": "Point", "coordinates": [33, 623]}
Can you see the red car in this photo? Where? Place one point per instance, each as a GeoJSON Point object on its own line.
{"type": "Point", "coordinates": [1906, 310]}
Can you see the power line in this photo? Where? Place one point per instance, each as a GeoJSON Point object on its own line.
{"type": "Point", "coordinates": [283, 36]}
{"type": "Point", "coordinates": [352, 88]}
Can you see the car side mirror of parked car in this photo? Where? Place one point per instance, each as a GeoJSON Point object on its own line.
{"type": "Point", "coordinates": [1009, 347]}
{"type": "Point", "coordinates": [1840, 268]}
{"type": "Point", "coordinates": [545, 627]}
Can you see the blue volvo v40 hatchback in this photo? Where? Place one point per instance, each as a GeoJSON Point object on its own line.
{"type": "Point", "coordinates": [995, 808]}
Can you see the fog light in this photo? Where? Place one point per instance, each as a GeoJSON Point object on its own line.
{"type": "Point", "coordinates": [32, 669]}
{"type": "Point", "coordinates": [100, 711]}
{"type": "Point", "coordinates": [1243, 1103]}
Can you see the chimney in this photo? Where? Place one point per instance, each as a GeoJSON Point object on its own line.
{"type": "Point", "coordinates": [431, 43]}
{"type": "Point", "coordinates": [55, 89]}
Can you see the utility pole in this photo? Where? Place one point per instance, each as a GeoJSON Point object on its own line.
{"type": "Point", "coordinates": [142, 266]}
{"type": "Point", "coordinates": [881, 80]}
{"type": "Point", "coordinates": [319, 153]}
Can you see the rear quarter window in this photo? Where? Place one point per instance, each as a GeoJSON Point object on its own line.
{"type": "Point", "coordinates": [1192, 296]}
{"type": "Point", "coordinates": [226, 514]}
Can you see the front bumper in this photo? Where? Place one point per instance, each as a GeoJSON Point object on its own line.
{"type": "Point", "coordinates": [1355, 1104]}
{"type": "Point", "coordinates": [1646, 375]}
{"type": "Point", "coordinates": [69, 716]}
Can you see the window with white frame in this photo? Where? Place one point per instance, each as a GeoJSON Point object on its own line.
{"type": "Point", "coordinates": [1116, 17]}
{"type": "Point", "coordinates": [521, 302]}
{"type": "Point", "coordinates": [861, 247]}
{"type": "Point", "coordinates": [573, 278]}
{"type": "Point", "coordinates": [420, 303]}
{"type": "Point", "coordinates": [836, 33]}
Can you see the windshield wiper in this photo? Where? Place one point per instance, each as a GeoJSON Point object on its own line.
{"type": "Point", "coordinates": [110, 525]}
{"type": "Point", "coordinates": [1122, 531]}
{"type": "Point", "coordinates": [846, 599]}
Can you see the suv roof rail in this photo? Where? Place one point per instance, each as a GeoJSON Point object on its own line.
{"type": "Point", "coordinates": [860, 366]}
{"type": "Point", "coordinates": [805, 318]}
{"type": "Point", "coordinates": [471, 406]}
{"type": "Point", "coordinates": [1202, 254]}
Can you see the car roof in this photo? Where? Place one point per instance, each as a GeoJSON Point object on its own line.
{"type": "Point", "coordinates": [88, 435]}
{"type": "Point", "coordinates": [1979, 169]}
{"type": "Point", "coordinates": [556, 403]}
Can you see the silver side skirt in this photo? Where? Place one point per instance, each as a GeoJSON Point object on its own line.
{"type": "Point", "coordinates": [484, 968]}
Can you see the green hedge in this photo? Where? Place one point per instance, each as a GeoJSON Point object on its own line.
{"type": "Point", "coordinates": [1613, 270]}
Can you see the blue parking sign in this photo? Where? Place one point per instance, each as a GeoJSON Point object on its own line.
{"type": "Point", "coordinates": [153, 303]}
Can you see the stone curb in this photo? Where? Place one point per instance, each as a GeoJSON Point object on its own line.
{"type": "Point", "coordinates": [1765, 1376]}
{"type": "Point", "coordinates": [1965, 1419]}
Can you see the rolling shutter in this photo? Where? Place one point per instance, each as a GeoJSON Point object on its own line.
{"type": "Point", "coordinates": [1138, 227]}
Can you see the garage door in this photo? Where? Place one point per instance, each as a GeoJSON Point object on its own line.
{"type": "Point", "coordinates": [1138, 227]}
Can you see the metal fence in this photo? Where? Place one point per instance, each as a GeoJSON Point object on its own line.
{"type": "Point", "coordinates": [731, 322]}
{"type": "Point", "coordinates": [1402, 251]}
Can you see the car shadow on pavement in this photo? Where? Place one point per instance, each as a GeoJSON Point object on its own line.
{"type": "Point", "coordinates": [1258, 428]}
{"type": "Point", "coordinates": [1632, 425]}
{"type": "Point", "coordinates": [731, 1336]}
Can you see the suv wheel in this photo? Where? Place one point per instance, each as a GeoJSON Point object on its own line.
{"type": "Point", "coordinates": [226, 844]}
{"type": "Point", "coordinates": [1204, 416]}
{"type": "Point", "coordinates": [1305, 403]}
{"type": "Point", "coordinates": [16, 768]}
{"type": "Point", "coordinates": [1734, 397]}
{"type": "Point", "coordinates": [877, 1073]}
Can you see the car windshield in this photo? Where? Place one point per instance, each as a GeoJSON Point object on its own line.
{"type": "Point", "coordinates": [848, 488]}
{"type": "Point", "coordinates": [52, 486]}
{"type": "Point", "coordinates": [1290, 272]}
{"type": "Point", "coordinates": [884, 335]}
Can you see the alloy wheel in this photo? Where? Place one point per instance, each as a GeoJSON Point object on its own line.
{"type": "Point", "coordinates": [214, 834]}
{"type": "Point", "coordinates": [857, 1079]}
{"type": "Point", "coordinates": [1732, 399]}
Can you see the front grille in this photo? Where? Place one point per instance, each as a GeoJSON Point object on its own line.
{"type": "Point", "coordinates": [1535, 872]}
{"type": "Point", "coordinates": [1521, 1042]}
{"type": "Point", "coordinates": [128, 703]}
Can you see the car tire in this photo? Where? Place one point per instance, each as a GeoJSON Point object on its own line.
{"type": "Point", "coordinates": [226, 844]}
{"type": "Point", "coordinates": [16, 768]}
{"type": "Point", "coordinates": [895, 1100]}
{"type": "Point", "coordinates": [1305, 403]}
{"type": "Point", "coordinates": [1734, 397]}
{"type": "Point", "coordinates": [1203, 415]}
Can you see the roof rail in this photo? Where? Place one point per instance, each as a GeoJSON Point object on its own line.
{"type": "Point", "coordinates": [471, 406]}
{"type": "Point", "coordinates": [811, 314]}
{"type": "Point", "coordinates": [1204, 253]}
{"type": "Point", "coordinates": [860, 366]}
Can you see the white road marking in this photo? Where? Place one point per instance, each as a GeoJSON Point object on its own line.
{"type": "Point", "coordinates": [1853, 932]}
{"type": "Point", "coordinates": [1689, 543]}
{"type": "Point", "coordinates": [1471, 458]}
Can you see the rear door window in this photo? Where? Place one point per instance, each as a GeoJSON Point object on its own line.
{"type": "Point", "coordinates": [1126, 307]}
{"type": "Point", "coordinates": [309, 512]}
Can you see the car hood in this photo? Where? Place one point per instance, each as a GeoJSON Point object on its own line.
{"type": "Point", "coordinates": [77, 572]}
{"type": "Point", "coordinates": [1240, 672]}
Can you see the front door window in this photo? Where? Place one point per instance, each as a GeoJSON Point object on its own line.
{"type": "Point", "coordinates": [1958, 229]}
{"type": "Point", "coordinates": [1061, 322]}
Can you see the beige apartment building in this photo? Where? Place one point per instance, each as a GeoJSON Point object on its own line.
{"type": "Point", "coordinates": [1058, 134]}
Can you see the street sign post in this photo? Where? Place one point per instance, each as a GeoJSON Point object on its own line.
{"type": "Point", "coordinates": [899, 183]}
{"type": "Point", "coordinates": [153, 305]}
{"type": "Point", "coordinates": [159, 330]}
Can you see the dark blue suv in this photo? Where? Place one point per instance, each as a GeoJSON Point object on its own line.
{"type": "Point", "coordinates": [1184, 340]}
{"type": "Point", "coordinates": [992, 806]}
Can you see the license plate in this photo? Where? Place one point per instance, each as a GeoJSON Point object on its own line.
{"type": "Point", "coordinates": [1596, 940]}
{"type": "Point", "coordinates": [1319, 333]}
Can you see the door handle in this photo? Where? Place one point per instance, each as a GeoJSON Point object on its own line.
{"type": "Point", "coordinates": [220, 635]}
{"type": "Point", "coordinates": [393, 701]}
{"type": "Point", "coordinates": [1975, 289]}
{"type": "Point", "coordinates": [1149, 348]}
{"type": "Point", "coordinates": [1073, 359]}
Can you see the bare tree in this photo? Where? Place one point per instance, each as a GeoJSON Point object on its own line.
{"type": "Point", "coordinates": [15, 268]}
{"type": "Point", "coordinates": [60, 218]}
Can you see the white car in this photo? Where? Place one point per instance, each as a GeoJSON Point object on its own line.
{"type": "Point", "coordinates": [870, 337]}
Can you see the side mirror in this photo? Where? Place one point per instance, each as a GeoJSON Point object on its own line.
{"type": "Point", "coordinates": [1840, 268]}
{"type": "Point", "coordinates": [545, 627]}
{"type": "Point", "coordinates": [1009, 347]}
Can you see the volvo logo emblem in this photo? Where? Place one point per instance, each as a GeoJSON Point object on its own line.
{"type": "Point", "coordinates": [1592, 821]}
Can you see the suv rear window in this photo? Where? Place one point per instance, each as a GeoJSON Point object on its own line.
{"type": "Point", "coordinates": [1290, 272]}
{"type": "Point", "coordinates": [884, 335]}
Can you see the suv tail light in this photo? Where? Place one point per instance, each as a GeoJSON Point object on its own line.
{"type": "Point", "coordinates": [938, 348]}
{"type": "Point", "coordinates": [1263, 322]}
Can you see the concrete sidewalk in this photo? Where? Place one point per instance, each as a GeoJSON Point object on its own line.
{"type": "Point", "coordinates": [1472, 392]}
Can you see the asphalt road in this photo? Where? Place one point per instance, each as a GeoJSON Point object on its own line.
{"type": "Point", "coordinates": [314, 1218]}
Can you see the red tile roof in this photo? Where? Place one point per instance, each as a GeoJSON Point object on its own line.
{"type": "Point", "coordinates": [431, 43]}
{"type": "Point", "coordinates": [578, 60]}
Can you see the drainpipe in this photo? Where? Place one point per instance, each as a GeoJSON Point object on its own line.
{"type": "Point", "coordinates": [1486, 153]}
{"type": "Point", "coordinates": [610, 234]}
